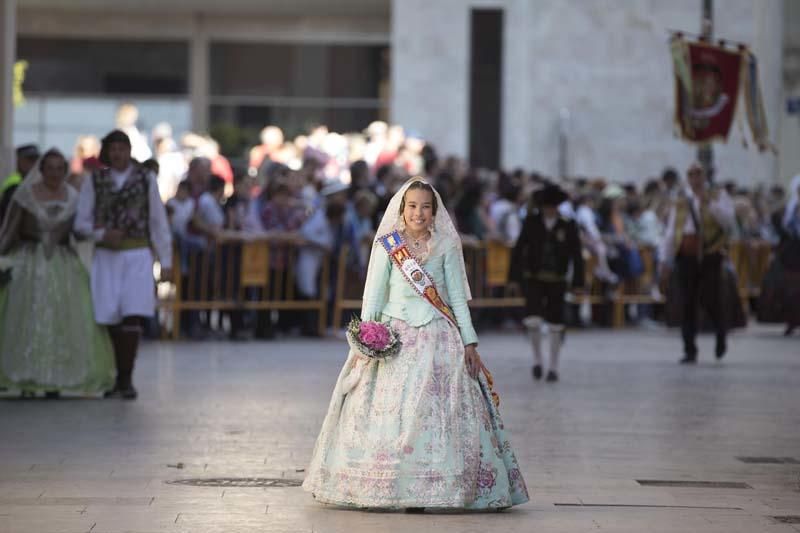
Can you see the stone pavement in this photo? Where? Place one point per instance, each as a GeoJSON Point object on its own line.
{"type": "Point", "coordinates": [624, 411]}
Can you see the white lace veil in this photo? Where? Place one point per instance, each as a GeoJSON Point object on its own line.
{"type": "Point", "coordinates": [443, 236]}
{"type": "Point", "coordinates": [25, 197]}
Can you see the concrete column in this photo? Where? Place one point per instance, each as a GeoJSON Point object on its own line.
{"type": "Point", "coordinates": [8, 41]}
{"type": "Point", "coordinates": [199, 79]}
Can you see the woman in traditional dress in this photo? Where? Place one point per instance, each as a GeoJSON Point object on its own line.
{"type": "Point", "coordinates": [780, 291]}
{"type": "Point", "coordinates": [417, 430]}
{"type": "Point", "coordinates": [48, 338]}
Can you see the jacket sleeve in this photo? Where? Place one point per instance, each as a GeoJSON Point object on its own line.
{"type": "Point", "coordinates": [517, 267]}
{"type": "Point", "coordinates": [576, 252]}
{"type": "Point", "coordinates": [454, 282]}
{"type": "Point", "coordinates": [376, 288]}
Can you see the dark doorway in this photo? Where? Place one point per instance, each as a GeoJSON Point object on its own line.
{"type": "Point", "coordinates": [485, 97]}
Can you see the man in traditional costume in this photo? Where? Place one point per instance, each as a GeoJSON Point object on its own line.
{"type": "Point", "coordinates": [540, 262]}
{"type": "Point", "coordinates": [121, 210]}
{"type": "Point", "coordinates": [695, 242]}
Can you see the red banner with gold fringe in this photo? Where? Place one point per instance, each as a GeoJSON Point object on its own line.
{"type": "Point", "coordinates": [707, 80]}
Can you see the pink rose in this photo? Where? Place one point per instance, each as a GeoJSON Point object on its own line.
{"type": "Point", "coordinates": [374, 335]}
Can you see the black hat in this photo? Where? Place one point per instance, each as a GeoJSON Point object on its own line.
{"type": "Point", "coordinates": [27, 151]}
{"type": "Point", "coordinates": [550, 195]}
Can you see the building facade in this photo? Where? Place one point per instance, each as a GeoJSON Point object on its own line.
{"type": "Point", "coordinates": [586, 87]}
{"type": "Point", "coordinates": [558, 86]}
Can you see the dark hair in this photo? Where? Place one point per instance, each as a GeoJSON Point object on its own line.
{"type": "Point", "coordinates": [152, 165]}
{"type": "Point", "coordinates": [52, 152]}
{"type": "Point", "coordinates": [652, 187]}
{"type": "Point", "coordinates": [510, 190]}
{"type": "Point", "coordinates": [633, 207]}
{"type": "Point", "coordinates": [115, 136]}
{"type": "Point", "coordinates": [422, 186]}
{"type": "Point", "coordinates": [669, 175]}
{"type": "Point", "coordinates": [777, 190]}
{"type": "Point", "coordinates": [359, 169]}
{"type": "Point", "coordinates": [216, 183]}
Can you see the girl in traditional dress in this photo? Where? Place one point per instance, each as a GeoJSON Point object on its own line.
{"type": "Point", "coordinates": [48, 338]}
{"type": "Point", "coordinates": [419, 429]}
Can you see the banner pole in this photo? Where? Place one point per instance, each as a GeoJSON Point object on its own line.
{"type": "Point", "coordinates": [705, 153]}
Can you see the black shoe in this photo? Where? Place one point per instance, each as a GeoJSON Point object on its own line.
{"type": "Point", "coordinates": [689, 360]}
{"type": "Point", "coordinates": [552, 377]}
{"type": "Point", "coordinates": [415, 510]}
{"type": "Point", "coordinates": [128, 393]}
{"type": "Point", "coordinates": [112, 393]}
{"type": "Point", "coordinates": [721, 350]}
{"type": "Point", "coordinates": [52, 395]}
{"type": "Point", "coordinates": [537, 372]}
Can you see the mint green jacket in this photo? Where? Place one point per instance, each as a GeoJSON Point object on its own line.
{"type": "Point", "coordinates": [388, 294]}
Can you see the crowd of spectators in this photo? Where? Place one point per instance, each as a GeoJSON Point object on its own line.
{"type": "Point", "coordinates": [322, 190]}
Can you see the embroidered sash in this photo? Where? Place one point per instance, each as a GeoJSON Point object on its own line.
{"type": "Point", "coordinates": [423, 285]}
{"type": "Point", "coordinates": [415, 275]}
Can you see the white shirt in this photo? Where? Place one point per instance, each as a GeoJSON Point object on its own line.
{"type": "Point", "coordinates": [506, 219]}
{"type": "Point", "coordinates": [317, 230]}
{"type": "Point", "coordinates": [648, 230]}
{"type": "Point", "coordinates": [183, 210]}
{"type": "Point", "coordinates": [172, 167]}
{"type": "Point", "coordinates": [586, 220]}
{"type": "Point", "coordinates": [160, 235]}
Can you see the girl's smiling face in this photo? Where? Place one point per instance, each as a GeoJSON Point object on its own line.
{"type": "Point", "coordinates": [418, 209]}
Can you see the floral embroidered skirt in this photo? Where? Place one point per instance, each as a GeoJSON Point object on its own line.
{"type": "Point", "coordinates": [414, 430]}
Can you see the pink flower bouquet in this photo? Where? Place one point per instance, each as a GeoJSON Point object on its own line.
{"type": "Point", "coordinates": [375, 340]}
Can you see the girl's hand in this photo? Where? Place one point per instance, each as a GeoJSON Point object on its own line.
{"type": "Point", "coordinates": [472, 360]}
